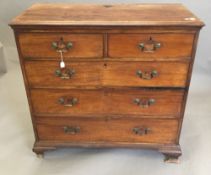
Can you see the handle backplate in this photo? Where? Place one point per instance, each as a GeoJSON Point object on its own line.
{"type": "Point", "coordinates": [68, 102]}
{"type": "Point", "coordinates": [144, 103]}
{"type": "Point", "coordinates": [147, 75]}
{"type": "Point", "coordinates": [71, 129]}
{"type": "Point", "coordinates": [61, 45]}
{"type": "Point", "coordinates": [65, 73]}
{"type": "Point", "coordinates": [149, 46]}
{"type": "Point", "coordinates": [141, 130]}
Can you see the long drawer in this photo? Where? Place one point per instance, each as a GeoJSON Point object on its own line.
{"type": "Point", "coordinates": [45, 45]}
{"type": "Point", "coordinates": [107, 73]}
{"type": "Point", "coordinates": [114, 130]}
{"type": "Point", "coordinates": [150, 45]}
{"type": "Point", "coordinates": [140, 103]}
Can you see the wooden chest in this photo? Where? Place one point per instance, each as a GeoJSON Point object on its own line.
{"type": "Point", "coordinates": [107, 75]}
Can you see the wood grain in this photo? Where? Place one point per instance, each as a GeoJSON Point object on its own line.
{"type": "Point", "coordinates": [106, 57]}
{"type": "Point", "coordinates": [42, 74]}
{"type": "Point", "coordinates": [161, 131]}
{"type": "Point", "coordinates": [108, 74]}
{"type": "Point", "coordinates": [170, 74]}
{"type": "Point", "coordinates": [108, 102]}
{"type": "Point", "coordinates": [39, 45]}
{"type": "Point", "coordinates": [172, 45]}
{"type": "Point", "coordinates": [58, 14]}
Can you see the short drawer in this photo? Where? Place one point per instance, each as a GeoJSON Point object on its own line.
{"type": "Point", "coordinates": [113, 130]}
{"type": "Point", "coordinates": [75, 45]}
{"type": "Point", "coordinates": [113, 102]}
{"type": "Point", "coordinates": [150, 45]}
{"type": "Point", "coordinates": [49, 74]}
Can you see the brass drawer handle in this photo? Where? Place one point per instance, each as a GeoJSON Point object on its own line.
{"type": "Point", "coordinates": [149, 46]}
{"type": "Point", "coordinates": [144, 103]}
{"type": "Point", "coordinates": [68, 102]}
{"type": "Point", "coordinates": [71, 129]}
{"type": "Point", "coordinates": [65, 73]}
{"type": "Point", "coordinates": [147, 75]}
{"type": "Point", "coordinates": [141, 130]}
{"type": "Point", "coordinates": [61, 46]}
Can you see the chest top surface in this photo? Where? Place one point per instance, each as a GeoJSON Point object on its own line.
{"type": "Point", "coordinates": [100, 15]}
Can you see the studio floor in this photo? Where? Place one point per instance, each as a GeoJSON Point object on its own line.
{"type": "Point", "coordinates": [16, 136]}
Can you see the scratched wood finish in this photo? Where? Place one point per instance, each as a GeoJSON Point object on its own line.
{"type": "Point", "coordinates": [39, 45]}
{"type": "Point", "coordinates": [58, 14]}
{"type": "Point", "coordinates": [106, 57]}
{"type": "Point", "coordinates": [160, 131]}
{"type": "Point", "coordinates": [172, 45]}
{"type": "Point", "coordinates": [170, 74]}
{"type": "Point", "coordinates": [108, 102]}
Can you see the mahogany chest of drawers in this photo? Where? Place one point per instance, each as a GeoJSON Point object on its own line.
{"type": "Point", "coordinates": [107, 75]}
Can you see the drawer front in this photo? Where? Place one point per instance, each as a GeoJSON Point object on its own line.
{"type": "Point", "coordinates": [49, 74]}
{"type": "Point", "coordinates": [131, 74]}
{"type": "Point", "coordinates": [114, 130]}
{"type": "Point", "coordinates": [146, 74]}
{"type": "Point", "coordinates": [74, 45]}
{"type": "Point", "coordinates": [138, 103]}
{"type": "Point", "coordinates": [150, 45]}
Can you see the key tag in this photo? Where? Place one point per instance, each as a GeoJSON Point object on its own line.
{"type": "Point", "coordinates": [62, 63]}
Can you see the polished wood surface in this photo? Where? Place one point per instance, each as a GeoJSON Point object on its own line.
{"type": "Point", "coordinates": [119, 14]}
{"type": "Point", "coordinates": [126, 76]}
{"type": "Point", "coordinates": [169, 74]}
{"type": "Point", "coordinates": [39, 45]}
{"type": "Point", "coordinates": [42, 74]}
{"type": "Point", "coordinates": [160, 131]}
{"type": "Point", "coordinates": [108, 102]}
{"type": "Point", "coordinates": [120, 74]}
{"type": "Point", "coordinates": [172, 45]}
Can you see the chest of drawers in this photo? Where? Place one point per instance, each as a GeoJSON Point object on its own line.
{"type": "Point", "coordinates": [107, 75]}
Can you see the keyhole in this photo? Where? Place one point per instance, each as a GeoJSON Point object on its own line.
{"type": "Point", "coordinates": [61, 39]}
{"type": "Point", "coordinates": [105, 65]}
{"type": "Point", "coordinates": [107, 6]}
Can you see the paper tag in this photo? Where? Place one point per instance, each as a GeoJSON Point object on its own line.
{"type": "Point", "coordinates": [62, 64]}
